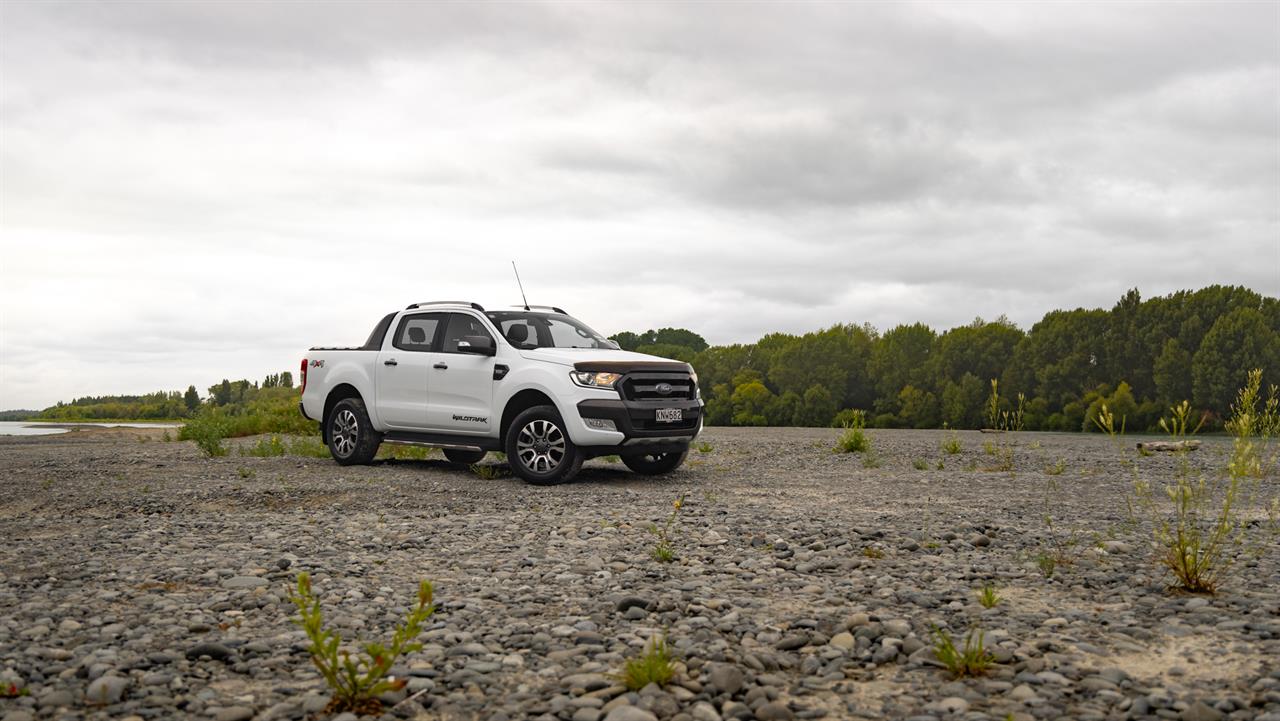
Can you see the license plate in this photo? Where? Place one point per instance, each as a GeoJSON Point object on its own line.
{"type": "Point", "coordinates": [670, 415]}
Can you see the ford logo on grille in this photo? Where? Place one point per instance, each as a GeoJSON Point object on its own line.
{"type": "Point", "coordinates": [663, 388]}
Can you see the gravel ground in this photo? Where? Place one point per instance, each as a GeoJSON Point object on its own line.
{"type": "Point", "coordinates": [139, 580]}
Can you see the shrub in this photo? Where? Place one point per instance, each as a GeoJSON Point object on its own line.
{"type": "Point", "coordinates": [704, 447]}
{"type": "Point", "coordinates": [854, 440]}
{"type": "Point", "coordinates": [357, 683]}
{"type": "Point", "coordinates": [652, 666]}
{"type": "Point", "coordinates": [951, 443]}
{"type": "Point", "coordinates": [920, 464]}
{"type": "Point", "coordinates": [971, 660]}
{"type": "Point", "coordinates": [207, 430]}
{"type": "Point", "coordinates": [1057, 468]}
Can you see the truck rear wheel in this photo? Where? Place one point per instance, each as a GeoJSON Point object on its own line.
{"type": "Point", "coordinates": [654, 464]}
{"type": "Point", "coordinates": [352, 440]}
{"type": "Point", "coordinates": [539, 449]}
{"type": "Point", "coordinates": [463, 458]}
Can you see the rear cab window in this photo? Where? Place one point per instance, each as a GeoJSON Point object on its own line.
{"type": "Point", "coordinates": [419, 332]}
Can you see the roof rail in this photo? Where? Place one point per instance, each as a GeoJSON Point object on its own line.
{"type": "Point", "coordinates": [477, 306]}
{"type": "Point", "coordinates": [561, 311]}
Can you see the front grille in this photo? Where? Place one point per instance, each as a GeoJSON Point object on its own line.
{"type": "Point", "coordinates": [649, 387]}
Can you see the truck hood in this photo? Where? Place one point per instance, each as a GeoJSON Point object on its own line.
{"type": "Point", "coordinates": [592, 356]}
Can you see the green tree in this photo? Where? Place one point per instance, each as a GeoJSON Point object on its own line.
{"type": "Point", "coordinates": [1172, 373]}
{"type": "Point", "coordinates": [1237, 342]}
{"type": "Point", "coordinates": [750, 402]}
{"type": "Point", "coordinates": [817, 409]}
{"type": "Point", "coordinates": [900, 359]}
{"type": "Point", "coordinates": [918, 408]}
{"type": "Point", "coordinates": [191, 399]}
{"type": "Point", "coordinates": [286, 380]}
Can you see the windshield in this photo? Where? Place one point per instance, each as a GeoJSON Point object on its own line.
{"type": "Point", "coordinates": [526, 329]}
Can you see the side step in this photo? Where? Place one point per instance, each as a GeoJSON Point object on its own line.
{"type": "Point", "coordinates": [442, 440]}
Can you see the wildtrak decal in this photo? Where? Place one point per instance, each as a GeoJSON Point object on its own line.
{"type": "Point", "coordinates": [471, 419]}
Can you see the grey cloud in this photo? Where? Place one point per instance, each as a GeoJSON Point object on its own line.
{"type": "Point", "coordinates": [210, 172]}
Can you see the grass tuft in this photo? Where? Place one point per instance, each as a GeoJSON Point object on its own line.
{"type": "Point", "coordinates": [971, 660]}
{"type": "Point", "coordinates": [652, 666]}
{"type": "Point", "coordinates": [988, 597]}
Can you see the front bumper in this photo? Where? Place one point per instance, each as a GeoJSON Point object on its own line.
{"type": "Point", "coordinates": [636, 419]}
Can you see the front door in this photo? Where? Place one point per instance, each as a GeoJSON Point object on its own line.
{"type": "Point", "coordinates": [461, 383]}
{"type": "Point", "coordinates": [404, 371]}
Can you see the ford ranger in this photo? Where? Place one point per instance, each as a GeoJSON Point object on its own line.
{"type": "Point", "coordinates": [531, 382]}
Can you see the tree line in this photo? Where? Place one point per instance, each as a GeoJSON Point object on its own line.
{"type": "Point", "coordinates": [161, 405]}
{"type": "Point", "coordinates": [1140, 357]}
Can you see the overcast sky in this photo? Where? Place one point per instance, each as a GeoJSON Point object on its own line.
{"type": "Point", "coordinates": [191, 191]}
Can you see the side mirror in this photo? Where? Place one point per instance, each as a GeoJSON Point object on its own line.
{"type": "Point", "coordinates": [477, 344]}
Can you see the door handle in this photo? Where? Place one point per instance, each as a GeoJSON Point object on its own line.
{"type": "Point", "coordinates": [390, 362]}
{"type": "Point", "coordinates": [441, 366]}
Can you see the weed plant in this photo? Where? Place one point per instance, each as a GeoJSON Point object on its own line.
{"type": "Point", "coordinates": [664, 549]}
{"type": "Point", "coordinates": [1198, 523]}
{"type": "Point", "coordinates": [872, 552]}
{"type": "Point", "coordinates": [653, 665]}
{"type": "Point", "coordinates": [951, 443]}
{"type": "Point", "coordinates": [920, 464]}
{"type": "Point", "coordinates": [1057, 468]}
{"type": "Point", "coordinates": [970, 660]}
{"type": "Point", "coordinates": [490, 471]}
{"type": "Point", "coordinates": [854, 439]}
{"type": "Point", "coordinates": [704, 447]}
{"type": "Point", "coordinates": [356, 682]}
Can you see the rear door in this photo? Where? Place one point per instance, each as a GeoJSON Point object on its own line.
{"type": "Point", "coordinates": [461, 383]}
{"type": "Point", "coordinates": [403, 370]}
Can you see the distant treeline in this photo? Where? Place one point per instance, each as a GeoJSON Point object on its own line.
{"type": "Point", "coordinates": [1140, 357]}
{"type": "Point", "coordinates": [17, 415]}
{"type": "Point", "coordinates": [163, 405]}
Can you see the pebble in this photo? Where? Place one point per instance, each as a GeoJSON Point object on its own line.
{"type": "Point", "coordinates": [629, 713]}
{"type": "Point", "coordinates": [106, 690]}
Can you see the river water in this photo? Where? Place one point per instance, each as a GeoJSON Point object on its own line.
{"type": "Point", "coordinates": [38, 428]}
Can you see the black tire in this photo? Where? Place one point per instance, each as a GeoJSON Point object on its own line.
{"type": "Point", "coordinates": [464, 458]}
{"type": "Point", "coordinates": [654, 464]}
{"type": "Point", "coordinates": [539, 449]}
{"type": "Point", "coordinates": [352, 440]}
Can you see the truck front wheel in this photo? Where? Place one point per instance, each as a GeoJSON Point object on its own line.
{"type": "Point", "coordinates": [352, 440]}
{"type": "Point", "coordinates": [539, 449]}
{"type": "Point", "coordinates": [654, 464]}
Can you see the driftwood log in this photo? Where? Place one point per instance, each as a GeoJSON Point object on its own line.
{"type": "Point", "coordinates": [990, 430]}
{"type": "Point", "coordinates": [1169, 446]}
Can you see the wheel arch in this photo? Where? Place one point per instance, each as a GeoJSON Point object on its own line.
{"type": "Point", "coordinates": [340, 392]}
{"type": "Point", "coordinates": [519, 403]}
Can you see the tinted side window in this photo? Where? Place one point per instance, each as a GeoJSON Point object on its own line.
{"type": "Point", "coordinates": [460, 326]}
{"type": "Point", "coordinates": [418, 332]}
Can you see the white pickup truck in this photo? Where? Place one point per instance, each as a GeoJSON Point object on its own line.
{"type": "Point", "coordinates": [532, 382]}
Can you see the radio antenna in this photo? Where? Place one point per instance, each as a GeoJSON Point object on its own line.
{"type": "Point", "coordinates": [517, 272]}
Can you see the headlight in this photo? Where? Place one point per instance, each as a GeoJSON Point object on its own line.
{"type": "Point", "coordinates": [595, 380]}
